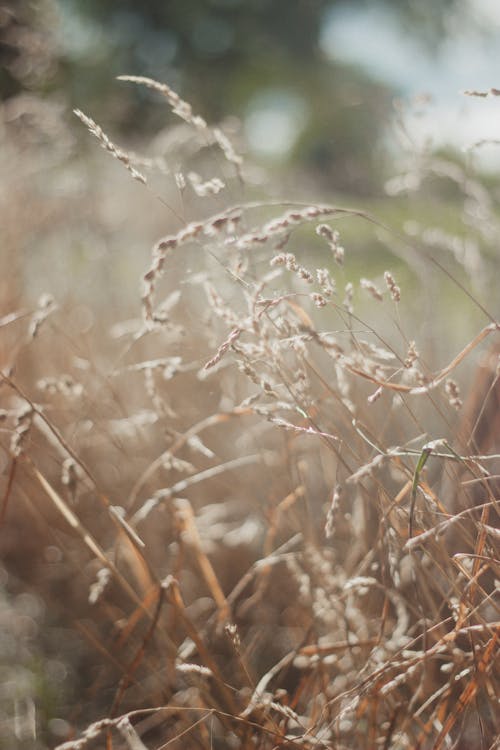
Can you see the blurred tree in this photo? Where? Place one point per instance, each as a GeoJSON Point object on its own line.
{"type": "Point", "coordinates": [225, 57]}
{"type": "Point", "coordinates": [28, 55]}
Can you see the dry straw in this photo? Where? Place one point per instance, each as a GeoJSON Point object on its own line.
{"type": "Point", "coordinates": [226, 594]}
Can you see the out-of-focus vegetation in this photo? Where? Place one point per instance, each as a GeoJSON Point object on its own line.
{"type": "Point", "coordinates": [248, 488]}
{"type": "Point", "coordinates": [258, 60]}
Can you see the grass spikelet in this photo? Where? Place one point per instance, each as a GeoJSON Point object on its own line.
{"type": "Point", "coordinates": [482, 94]}
{"type": "Point", "coordinates": [227, 148]}
{"type": "Point", "coordinates": [287, 539]}
{"type": "Point", "coordinates": [370, 287]}
{"type": "Point", "coordinates": [453, 392]}
{"type": "Point", "coordinates": [223, 348]}
{"type": "Point", "coordinates": [179, 107]}
{"type": "Point", "coordinates": [392, 287]}
{"type": "Point", "coordinates": [332, 236]}
{"type": "Point", "coordinates": [184, 110]}
{"type": "Point", "coordinates": [109, 146]}
{"type": "Point", "coordinates": [46, 306]}
{"type": "Point", "coordinates": [202, 189]}
{"type": "Point", "coordinates": [332, 512]}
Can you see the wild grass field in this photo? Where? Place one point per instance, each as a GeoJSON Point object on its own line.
{"type": "Point", "coordinates": [253, 504]}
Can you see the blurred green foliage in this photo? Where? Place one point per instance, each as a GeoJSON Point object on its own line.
{"type": "Point", "coordinates": [222, 56]}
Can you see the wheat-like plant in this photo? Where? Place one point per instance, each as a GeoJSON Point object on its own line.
{"type": "Point", "coordinates": [274, 498]}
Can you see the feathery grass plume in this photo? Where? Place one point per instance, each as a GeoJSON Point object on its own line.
{"type": "Point", "coordinates": [453, 393]}
{"type": "Point", "coordinates": [392, 286]}
{"type": "Point", "coordinates": [180, 181]}
{"type": "Point", "coordinates": [223, 348]}
{"type": "Point", "coordinates": [282, 225]}
{"type": "Point", "coordinates": [184, 110]}
{"type": "Point", "coordinates": [69, 477]}
{"type": "Point", "coordinates": [227, 148]}
{"type": "Point", "coordinates": [482, 94]}
{"type": "Point", "coordinates": [318, 299]}
{"type": "Point", "coordinates": [231, 631]}
{"type": "Point", "coordinates": [267, 552]}
{"type": "Point", "coordinates": [22, 427]}
{"type": "Point", "coordinates": [411, 356]}
{"type": "Point", "coordinates": [98, 588]}
{"type": "Point", "coordinates": [325, 281]}
{"type": "Point", "coordinates": [210, 227]}
{"type": "Point", "coordinates": [332, 236]}
{"type": "Point", "coordinates": [371, 289]}
{"type": "Point", "coordinates": [46, 306]}
{"type": "Point", "coordinates": [64, 385]}
{"type": "Point", "coordinates": [209, 187]}
{"type": "Point", "coordinates": [109, 146]}
{"type": "Point", "coordinates": [333, 511]}
{"type": "Point", "coordinates": [179, 107]}
{"type": "Point", "coordinates": [349, 296]}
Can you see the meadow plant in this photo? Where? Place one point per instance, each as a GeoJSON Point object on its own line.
{"type": "Point", "coordinates": [266, 508]}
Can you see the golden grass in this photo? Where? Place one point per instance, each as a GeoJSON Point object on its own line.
{"type": "Point", "coordinates": [271, 523]}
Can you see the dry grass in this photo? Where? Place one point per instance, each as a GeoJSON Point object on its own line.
{"type": "Point", "coordinates": [259, 514]}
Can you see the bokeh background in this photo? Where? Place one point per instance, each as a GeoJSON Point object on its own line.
{"type": "Point", "coordinates": [311, 82]}
{"type": "Point", "coordinates": [334, 98]}
{"type": "Point", "coordinates": [358, 103]}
